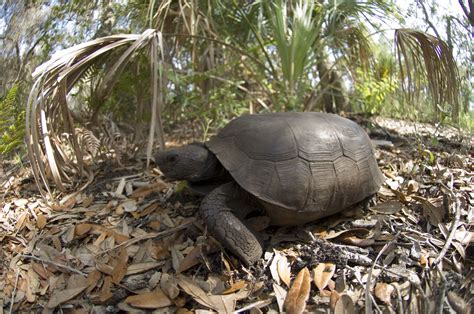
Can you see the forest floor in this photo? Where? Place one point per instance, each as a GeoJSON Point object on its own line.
{"type": "Point", "coordinates": [133, 241]}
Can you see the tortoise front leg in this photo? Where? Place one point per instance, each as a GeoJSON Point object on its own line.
{"type": "Point", "coordinates": [227, 228]}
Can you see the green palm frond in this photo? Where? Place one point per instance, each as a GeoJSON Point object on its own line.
{"type": "Point", "coordinates": [422, 58]}
{"type": "Point", "coordinates": [48, 116]}
{"type": "Point", "coordinates": [294, 38]}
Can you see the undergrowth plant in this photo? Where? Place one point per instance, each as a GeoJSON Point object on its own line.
{"type": "Point", "coordinates": [12, 122]}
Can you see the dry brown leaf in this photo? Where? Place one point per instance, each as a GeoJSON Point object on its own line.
{"type": "Point", "coordinates": [105, 292]}
{"type": "Point", "coordinates": [32, 283]}
{"type": "Point", "coordinates": [21, 221]}
{"type": "Point", "coordinates": [40, 221]}
{"type": "Point", "coordinates": [93, 279]}
{"type": "Point", "coordinates": [299, 292]}
{"type": "Point", "coordinates": [344, 305]}
{"type": "Point", "coordinates": [82, 229]}
{"type": "Point", "coordinates": [176, 258]}
{"type": "Point", "coordinates": [75, 281]}
{"type": "Point", "coordinates": [118, 237]}
{"type": "Point", "coordinates": [353, 240]}
{"type": "Point", "coordinates": [322, 274]}
{"type": "Point", "coordinates": [155, 225]}
{"type": "Point", "coordinates": [148, 189]}
{"type": "Point", "coordinates": [284, 270]}
{"type": "Point", "coordinates": [41, 270]}
{"type": "Point", "coordinates": [169, 285]}
{"type": "Point", "coordinates": [141, 267]}
{"type": "Point", "coordinates": [65, 295]}
{"type": "Point", "coordinates": [388, 208]}
{"type": "Point", "coordinates": [362, 232]}
{"type": "Point", "coordinates": [333, 298]}
{"type": "Point", "coordinates": [145, 212]}
{"type": "Point", "coordinates": [432, 212]}
{"type": "Point", "coordinates": [120, 268]}
{"type": "Point", "coordinates": [236, 286]}
{"type": "Point", "coordinates": [383, 292]}
{"type": "Point", "coordinates": [219, 303]}
{"type": "Point", "coordinates": [193, 258]}
{"type": "Point", "coordinates": [150, 300]}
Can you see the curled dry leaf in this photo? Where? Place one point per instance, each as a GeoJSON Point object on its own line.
{"type": "Point", "coordinates": [299, 293]}
{"type": "Point", "coordinates": [150, 300]}
{"type": "Point", "coordinates": [322, 274]}
{"type": "Point", "coordinates": [383, 292]}
{"type": "Point", "coordinates": [219, 303]}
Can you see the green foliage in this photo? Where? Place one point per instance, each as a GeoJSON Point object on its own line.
{"type": "Point", "coordinates": [375, 88]}
{"type": "Point", "coordinates": [223, 100]}
{"type": "Point", "coordinates": [12, 121]}
{"type": "Point", "coordinates": [294, 39]}
{"type": "Point", "coordinates": [372, 92]}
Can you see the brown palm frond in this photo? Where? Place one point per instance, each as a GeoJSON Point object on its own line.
{"type": "Point", "coordinates": [49, 118]}
{"type": "Point", "coordinates": [423, 57]}
{"type": "Point", "coordinates": [359, 50]}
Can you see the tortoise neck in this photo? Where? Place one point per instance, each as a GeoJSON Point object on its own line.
{"type": "Point", "coordinates": [213, 170]}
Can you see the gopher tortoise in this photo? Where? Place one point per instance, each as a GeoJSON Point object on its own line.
{"type": "Point", "coordinates": [299, 166]}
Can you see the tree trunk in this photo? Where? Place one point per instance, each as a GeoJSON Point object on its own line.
{"type": "Point", "coordinates": [332, 87]}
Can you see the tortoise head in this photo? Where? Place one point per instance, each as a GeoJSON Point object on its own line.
{"type": "Point", "coordinates": [193, 162]}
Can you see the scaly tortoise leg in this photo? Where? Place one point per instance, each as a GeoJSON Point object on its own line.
{"type": "Point", "coordinates": [227, 228]}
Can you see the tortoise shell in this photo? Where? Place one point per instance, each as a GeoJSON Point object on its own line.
{"type": "Point", "coordinates": [300, 165]}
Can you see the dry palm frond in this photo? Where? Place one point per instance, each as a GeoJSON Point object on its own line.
{"type": "Point", "coordinates": [48, 115]}
{"type": "Point", "coordinates": [358, 50]}
{"type": "Point", "coordinates": [424, 57]}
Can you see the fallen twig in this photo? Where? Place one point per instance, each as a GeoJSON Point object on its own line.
{"type": "Point", "coordinates": [151, 236]}
{"type": "Point", "coordinates": [454, 226]}
{"type": "Point", "coordinates": [12, 301]}
{"type": "Point", "coordinates": [55, 264]}
{"type": "Point", "coordinates": [368, 288]}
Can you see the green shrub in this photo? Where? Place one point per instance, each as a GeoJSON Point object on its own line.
{"type": "Point", "coordinates": [12, 121]}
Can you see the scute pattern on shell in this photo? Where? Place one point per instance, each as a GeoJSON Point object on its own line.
{"type": "Point", "coordinates": [304, 162]}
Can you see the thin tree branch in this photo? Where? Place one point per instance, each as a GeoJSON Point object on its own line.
{"type": "Point", "coordinates": [427, 19]}
{"type": "Point", "coordinates": [27, 56]}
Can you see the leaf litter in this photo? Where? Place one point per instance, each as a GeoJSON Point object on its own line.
{"type": "Point", "coordinates": [132, 241]}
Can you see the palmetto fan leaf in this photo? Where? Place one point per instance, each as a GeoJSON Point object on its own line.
{"type": "Point", "coordinates": [294, 38]}
{"type": "Point", "coordinates": [422, 56]}
{"type": "Point", "coordinates": [48, 116]}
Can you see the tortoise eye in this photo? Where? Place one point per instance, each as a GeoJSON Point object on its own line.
{"type": "Point", "coordinates": [172, 158]}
